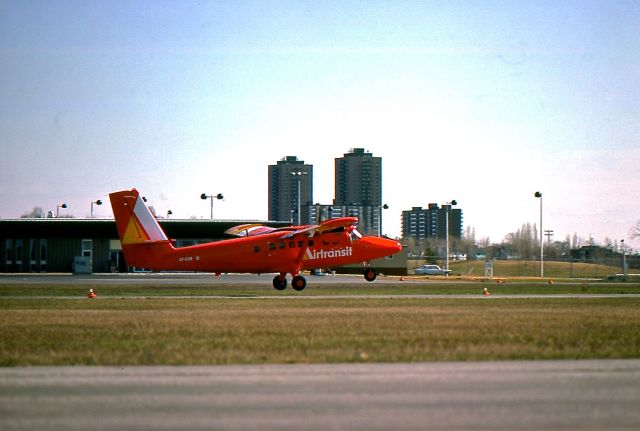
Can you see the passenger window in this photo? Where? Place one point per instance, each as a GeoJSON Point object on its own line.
{"type": "Point", "coordinates": [256, 249]}
{"type": "Point", "coordinates": [282, 245]}
{"type": "Point", "coordinates": [310, 243]}
{"type": "Point", "coordinates": [272, 246]}
{"type": "Point", "coordinates": [300, 244]}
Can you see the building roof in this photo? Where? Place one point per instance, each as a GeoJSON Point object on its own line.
{"type": "Point", "coordinates": [106, 228]}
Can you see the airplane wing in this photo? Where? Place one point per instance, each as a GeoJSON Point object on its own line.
{"type": "Point", "coordinates": [251, 229]}
{"type": "Point", "coordinates": [325, 226]}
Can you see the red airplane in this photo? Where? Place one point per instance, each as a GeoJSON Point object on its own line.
{"type": "Point", "coordinates": [259, 249]}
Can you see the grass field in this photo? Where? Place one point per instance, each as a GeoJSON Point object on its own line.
{"type": "Point", "coordinates": [114, 330]}
{"type": "Point", "coordinates": [529, 268]}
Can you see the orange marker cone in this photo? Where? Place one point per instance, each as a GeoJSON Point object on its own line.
{"type": "Point", "coordinates": [91, 294]}
{"type": "Point", "coordinates": [485, 292]}
{"type": "Point", "coordinates": [551, 281]}
{"type": "Point", "coordinates": [401, 278]}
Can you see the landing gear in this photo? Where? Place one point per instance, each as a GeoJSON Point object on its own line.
{"type": "Point", "coordinates": [280, 282]}
{"type": "Point", "coordinates": [298, 283]}
{"type": "Point", "coordinates": [370, 274]}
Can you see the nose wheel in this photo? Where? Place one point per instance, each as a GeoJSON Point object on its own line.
{"type": "Point", "coordinates": [370, 274]}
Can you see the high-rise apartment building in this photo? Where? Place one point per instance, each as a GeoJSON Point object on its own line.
{"type": "Point", "coordinates": [368, 216]}
{"type": "Point", "coordinates": [289, 179]}
{"type": "Point", "coordinates": [358, 188]}
{"type": "Point", "coordinates": [358, 179]}
{"type": "Point", "coordinates": [430, 223]}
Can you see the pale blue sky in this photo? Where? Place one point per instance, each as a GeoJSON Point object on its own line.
{"type": "Point", "coordinates": [482, 102]}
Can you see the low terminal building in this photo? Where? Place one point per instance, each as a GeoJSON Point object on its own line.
{"type": "Point", "coordinates": [53, 245]}
{"type": "Point", "coordinates": [91, 245]}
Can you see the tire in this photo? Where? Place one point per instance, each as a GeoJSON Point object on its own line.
{"type": "Point", "coordinates": [298, 283]}
{"type": "Point", "coordinates": [370, 274]}
{"type": "Point", "coordinates": [279, 283]}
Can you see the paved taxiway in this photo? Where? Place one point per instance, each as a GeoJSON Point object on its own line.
{"type": "Point", "coordinates": [596, 395]}
{"type": "Point", "coordinates": [208, 279]}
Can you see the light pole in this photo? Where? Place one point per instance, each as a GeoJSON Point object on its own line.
{"type": "Point", "coordinates": [382, 207]}
{"type": "Point", "coordinates": [539, 195]}
{"type": "Point", "coordinates": [447, 209]}
{"type": "Point", "coordinates": [205, 196]}
{"type": "Point", "coordinates": [169, 212]}
{"type": "Point", "coordinates": [297, 175]}
{"type": "Point", "coordinates": [58, 209]}
{"type": "Point", "coordinates": [98, 202]}
{"type": "Point", "coordinates": [625, 268]}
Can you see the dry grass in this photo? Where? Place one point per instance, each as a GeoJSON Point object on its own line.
{"type": "Point", "coordinates": [528, 268]}
{"type": "Point", "coordinates": [240, 331]}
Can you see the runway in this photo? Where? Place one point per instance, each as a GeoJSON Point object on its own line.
{"type": "Point", "coordinates": [299, 297]}
{"type": "Point", "coordinates": [209, 279]}
{"type": "Point", "coordinates": [588, 395]}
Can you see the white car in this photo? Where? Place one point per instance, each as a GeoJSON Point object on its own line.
{"type": "Point", "coordinates": [431, 270]}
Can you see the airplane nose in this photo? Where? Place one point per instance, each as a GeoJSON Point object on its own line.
{"type": "Point", "coordinates": [389, 246]}
{"type": "Point", "coordinates": [395, 246]}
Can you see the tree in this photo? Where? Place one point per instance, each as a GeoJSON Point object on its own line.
{"type": "Point", "coordinates": [523, 242]}
{"type": "Point", "coordinates": [468, 243]}
{"type": "Point", "coordinates": [36, 212]}
{"type": "Point", "coordinates": [635, 230]}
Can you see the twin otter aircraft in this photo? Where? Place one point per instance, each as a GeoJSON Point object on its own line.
{"type": "Point", "coordinates": [260, 249]}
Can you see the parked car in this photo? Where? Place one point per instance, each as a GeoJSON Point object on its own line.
{"type": "Point", "coordinates": [431, 270]}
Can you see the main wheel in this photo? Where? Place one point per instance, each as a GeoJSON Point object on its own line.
{"type": "Point", "coordinates": [370, 274]}
{"type": "Point", "coordinates": [298, 283]}
{"type": "Point", "coordinates": [280, 283]}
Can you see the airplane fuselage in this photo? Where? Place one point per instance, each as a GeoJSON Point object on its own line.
{"type": "Point", "coordinates": [267, 253]}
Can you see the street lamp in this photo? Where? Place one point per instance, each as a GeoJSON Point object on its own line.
{"type": "Point", "coordinates": [297, 175]}
{"type": "Point", "coordinates": [447, 210]}
{"type": "Point", "coordinates": [383, 207]}
{"type": "Point", "coordinates": [169, 212]}
{"type": "Point", "coordinates": [205, 196]}
{"type": "Point", "coordinates": [58, 209]}
{"type": "Point", "coordinates": [539, 195]}
{"type": "Point", "coordinates": [98, 202]}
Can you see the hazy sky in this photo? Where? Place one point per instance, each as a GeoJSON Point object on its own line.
{"type": "Point", "coordinates": [482, 102]}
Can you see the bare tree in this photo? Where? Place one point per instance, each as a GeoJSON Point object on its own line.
{"type": "Point", "coordinates": [635, 230]}
{"type": "Point", "coordinates": [36, 212]}
{"type": "Point", "coordinates": [523, 241]}
{"type": "Point", "coordinates": [468, 243]}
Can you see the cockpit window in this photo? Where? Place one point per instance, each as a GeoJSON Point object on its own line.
{"type": "Point", "coordinates": [355, 235]}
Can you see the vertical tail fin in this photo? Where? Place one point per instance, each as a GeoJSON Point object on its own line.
{"type": "Point", "coordinates": [144, 243]}
{"type": "Point", "coordinates": [135, 222]}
